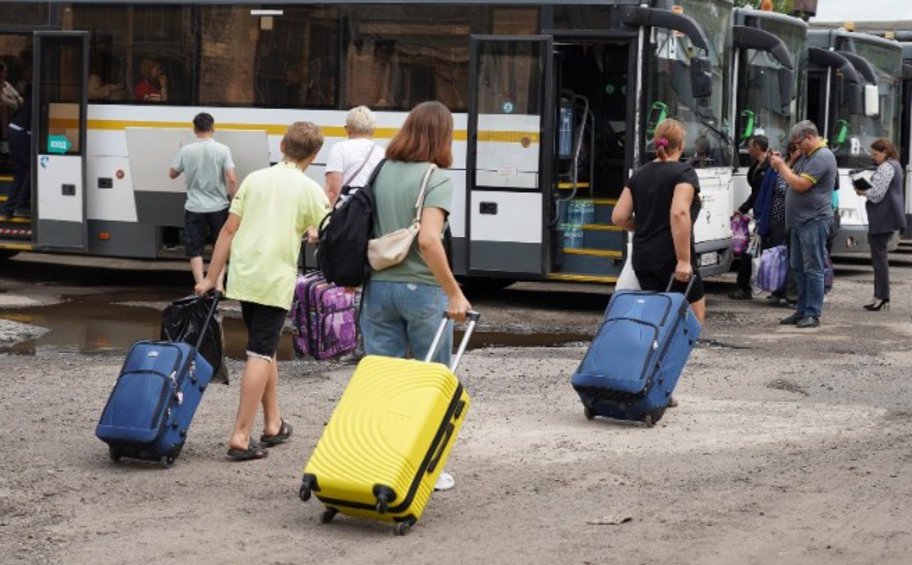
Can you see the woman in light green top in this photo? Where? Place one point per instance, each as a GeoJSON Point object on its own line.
{"type": "Point", "coordinates": [403, 303]}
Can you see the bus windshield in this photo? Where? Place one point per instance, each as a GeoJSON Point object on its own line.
{"type": "Point", "coordinates": [851, 134]}
{"type": "Point", "coordinates": [669, 87]}
{"type": "Point", "coordinates": [762, 110]}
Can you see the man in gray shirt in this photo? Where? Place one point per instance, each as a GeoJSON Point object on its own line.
{"type": "Point", "coordinates": [808, 214]}
{"type": "Point", "coordinates": [211, 185]}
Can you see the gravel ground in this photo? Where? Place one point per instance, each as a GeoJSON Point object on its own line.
{"type": "Point", "coordinates": [789, 446]}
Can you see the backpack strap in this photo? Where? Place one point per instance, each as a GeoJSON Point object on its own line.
{"type": "Point", "coordinates": [364, 162]}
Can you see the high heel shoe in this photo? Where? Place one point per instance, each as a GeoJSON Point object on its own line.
{"type": "Point", "coordinates": [878, 305]}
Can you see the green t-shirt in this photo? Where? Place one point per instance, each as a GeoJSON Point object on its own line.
{"type": "Point", "coordinates": [276, 206]}
{"type": "Point", "coordinates": [204, 163]}
{"type": "Point", "coordinates": [396, 189]}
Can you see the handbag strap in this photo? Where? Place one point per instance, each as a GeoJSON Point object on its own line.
{"type": "Point", "coordinates": [363, 163]}
{"type": "Point", "coordinates": [419, 204]}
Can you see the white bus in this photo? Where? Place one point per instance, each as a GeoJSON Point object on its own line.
{"type": "Point", "coordinates": [512, 72]}
{"type": "Point", "coordinates": [769, 74]}
{"type": "Point", "coordinates": [854, 93]}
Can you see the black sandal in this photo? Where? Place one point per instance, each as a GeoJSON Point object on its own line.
{"type": "Point", "coordinates": [284, 435]}
{"type": "Point", "coordinates": [252, 452]}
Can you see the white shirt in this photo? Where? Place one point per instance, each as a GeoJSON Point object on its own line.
{"type": "Point", "coordinates": [347, 156]}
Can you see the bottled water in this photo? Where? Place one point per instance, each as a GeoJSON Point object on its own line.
{"type": "Point", "coordinates": [587, 212]}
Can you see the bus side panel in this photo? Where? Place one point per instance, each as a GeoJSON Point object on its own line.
{"type": "Point", "coordinates": [712, 230]}
{"type": "Point", "coordinates": [122, 239]}
{"type": "Point", "coordinates": [506, 232]}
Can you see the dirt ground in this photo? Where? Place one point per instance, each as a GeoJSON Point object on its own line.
{"type": "Point", "coordinates": [789, 446]}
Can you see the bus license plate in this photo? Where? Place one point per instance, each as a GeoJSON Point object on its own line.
{"type": "Point", "coordinates": [711, 258]}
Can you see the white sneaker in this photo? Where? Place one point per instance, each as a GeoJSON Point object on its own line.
{"type": "Point", "coordinates": [445, 482]}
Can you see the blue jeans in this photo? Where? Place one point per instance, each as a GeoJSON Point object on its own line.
{"type": "Point", "coordinates": [398, 318]}
{"type": "Point", "coordinates": [807, 261]}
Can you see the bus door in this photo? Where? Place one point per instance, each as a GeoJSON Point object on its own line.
{"type": "Point", "coordinates": [507, 172]}
{"type": "Point", "coordinates": [59, 139]}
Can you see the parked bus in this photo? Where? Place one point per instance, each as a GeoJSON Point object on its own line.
{"type": "Point", "coordinates": [854, 91]}
{"type": "Point", "coordinates": [769, 73]}
{"type": "Point", "coordinates": [554, 106]}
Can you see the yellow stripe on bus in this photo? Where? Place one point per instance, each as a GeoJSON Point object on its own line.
{"type": "Point", "coordinates": [17, 246]}
{"type": "Point", "coordinates": [524, 137]}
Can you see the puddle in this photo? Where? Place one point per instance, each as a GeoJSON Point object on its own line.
{"type": "Point", "coordinates": [101, 324]}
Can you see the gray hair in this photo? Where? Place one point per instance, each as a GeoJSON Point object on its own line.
{"type": "Point", "coordinates": [803, 129]}
{"type": "Point", "coordinates": [360, 120]}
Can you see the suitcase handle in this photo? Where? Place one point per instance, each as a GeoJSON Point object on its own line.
{"type": "Point", "coordinates": [471, 319]}
{"type": "Point", "coordinates": [441, 448]}
{"type": "Point", "coordinates": [216, 297]}
{"type": "Point", "coordinates": [690, 283]}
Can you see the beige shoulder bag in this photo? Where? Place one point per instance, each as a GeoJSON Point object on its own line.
{"type": "Point", "coordinates": [391, 249]}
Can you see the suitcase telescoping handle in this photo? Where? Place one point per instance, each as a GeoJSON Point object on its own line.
{"type": "Point", "coordinates": [471, 320]}
{"type": "Point", "coordinates": [216, 297]}
{"type": "Point", "coordinates": [689, 284]}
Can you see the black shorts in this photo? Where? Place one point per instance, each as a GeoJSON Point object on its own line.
{"type": "Point", "coordinates": [657, 281]}
{"type": "Point", "coordinates": [197, 225]}
{"type": "Point", "coordinates": [264, 327]}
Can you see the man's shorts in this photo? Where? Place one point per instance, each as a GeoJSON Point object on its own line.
{"type": "Point", "coordinates": [197, 225]}
{"type": "Point", "coordinates": [264, 327]}
{"type": "Point", "coordinates": [657, 281]}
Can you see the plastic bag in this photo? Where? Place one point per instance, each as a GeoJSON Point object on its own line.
{"type": "Point", "coordinates": [183, 320]}
{"type": "Point", "coordinates": [628, 280]}
{"type": "Point", "coordinates": [740, 227]}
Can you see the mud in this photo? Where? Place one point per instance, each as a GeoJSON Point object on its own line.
{"type": "Point", "coordinates": [788, 446]}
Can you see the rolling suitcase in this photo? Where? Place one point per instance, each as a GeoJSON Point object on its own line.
{"type": "Point", "coordinates": [323, 318]}
{"type": "Point", "coordinates": [637, 355]}
{"type": "Point", "coordinates": [149, 412]}
{"type": "Point", "coordinates": [389, 437]}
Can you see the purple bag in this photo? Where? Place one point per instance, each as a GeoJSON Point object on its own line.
{"type": "Point", "coordinates": [773, 271]}
{"type": "Point", "coordinates": [740, 227]}
{"type": "Point", "coordinates": [323, 318]}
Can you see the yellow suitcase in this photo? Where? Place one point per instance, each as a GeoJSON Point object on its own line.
{"type": "Point", "coordinates": [389, 437]}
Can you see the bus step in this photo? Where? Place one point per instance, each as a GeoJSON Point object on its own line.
{"type": "Point", "coordinates": [17, 246]}
{"type": "Point", "coordinates": [3, 198]}
{"type": "Point", "coordinates": [588, 262]}
{"type": "Point", "coordinates": [570, 277]}
{"type": "Point", "coordinates": [602, 236]}
{"type": "Point", "coordinates": [563, 185]}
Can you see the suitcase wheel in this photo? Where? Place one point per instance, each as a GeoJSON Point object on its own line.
{"type": "Point", "coordinates": [114, 454]}
{"type": "Point", "coordinates": [304, 493]}
{"type": "Point", "coordinates": [653, 417]}
{"type": "Point", "coordinates": [168, 460]}
{"type": "Point", "coordinates": [402, 528]}
{"type": "Point", "coordinates": [587, 411]}
{"type": "Point", "coordinates": [328, 515]}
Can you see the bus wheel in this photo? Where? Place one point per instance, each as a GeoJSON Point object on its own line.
{"type": "Point", "coordinates": [483, 285]}
{"type": "Point", "coordinates": [7, 253]}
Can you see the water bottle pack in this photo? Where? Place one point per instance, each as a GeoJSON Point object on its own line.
{"type": "Point", "coordinates": [581, 212]}
{"type": "Point", "coordinates": [573, 235]}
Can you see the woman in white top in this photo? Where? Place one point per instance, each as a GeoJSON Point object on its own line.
{"type": "Point", "coordinates": [352, 161]}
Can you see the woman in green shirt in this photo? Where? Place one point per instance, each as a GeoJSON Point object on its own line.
{"type": "Point", "coordinates": [403, 303]}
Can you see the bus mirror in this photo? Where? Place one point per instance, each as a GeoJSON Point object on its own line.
{"type": "Point", "coordinates": [700, 77]}
{"type": "Point", "coordinates": [657, 114]}
{"type": "Point", "coordinates": [871, 101]}
{"type": "Point", "coordinates": [840, 131]}
{"type": "Point", "coordinates": [747, 125]}
{"type": "Point", "coordinates": [786, 86]}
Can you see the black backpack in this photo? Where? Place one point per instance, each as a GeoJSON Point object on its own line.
{"type": "Point", "coordinates": [344, 233]}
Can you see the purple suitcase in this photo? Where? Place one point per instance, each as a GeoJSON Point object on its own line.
{"type": "Point", "coordinates": [323, 317]}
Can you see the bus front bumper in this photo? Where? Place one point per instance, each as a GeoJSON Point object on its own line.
{"type": "Point", "coordinates": [714, 257]}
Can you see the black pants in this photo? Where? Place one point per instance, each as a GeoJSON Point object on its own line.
{"type": "Point", "coordinates": [880, 263]}
{"type": "Point", "coordinates": [20, 148]}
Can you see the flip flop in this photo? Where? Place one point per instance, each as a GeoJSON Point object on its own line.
{"type": "Point", "coordinates": [284, 435]}
{"type": "Point", "coordinates": [252, 452]}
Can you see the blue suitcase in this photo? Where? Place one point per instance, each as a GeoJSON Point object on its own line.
{"type": "Point", "coordinates": [153, 402]}
{"type": "Point", "coordinates": [638, 353]}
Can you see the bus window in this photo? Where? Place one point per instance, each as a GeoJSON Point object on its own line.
{"type": "Point", "coordinates": [26, 14]}
{"type": "Point", "coordinates": [139, 53]}
{"type": "Point", "coordinates": [398, 56]}
{"type": "Point", "coordinates": [288, 60]}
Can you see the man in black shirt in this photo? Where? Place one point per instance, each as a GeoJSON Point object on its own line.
{"type": "Point", "coordinates": [758, 149]}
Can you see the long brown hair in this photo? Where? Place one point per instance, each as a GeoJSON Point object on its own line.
{"type": "Point", "coordinates": [425, 137]}
{"type": "Point", "coordinates": [884, 146]}
{"type": "Point", "coordinates": [668, 137]}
